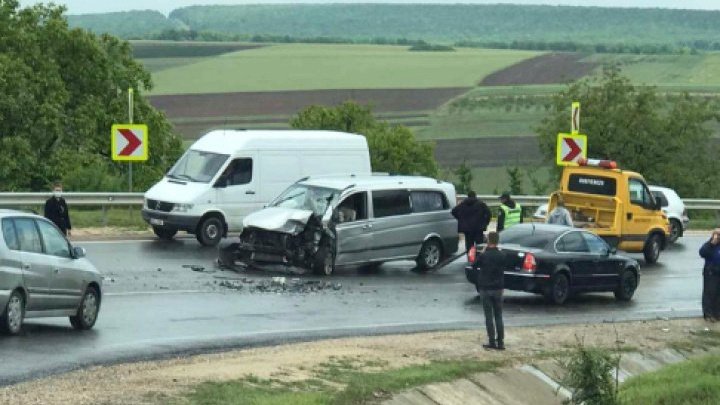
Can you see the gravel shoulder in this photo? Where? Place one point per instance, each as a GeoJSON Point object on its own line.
{"type": "Point", "coordinates": [168, 380]}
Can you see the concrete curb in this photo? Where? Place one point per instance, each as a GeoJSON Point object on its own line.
{"type": "Point", "coordinates": [536, 384]}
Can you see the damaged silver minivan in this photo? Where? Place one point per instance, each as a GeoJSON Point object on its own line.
{"type": "Point", "coordinates": [322, 222]}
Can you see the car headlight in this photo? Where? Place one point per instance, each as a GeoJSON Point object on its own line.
{"type": "Point", "coordinates": [182, 207]}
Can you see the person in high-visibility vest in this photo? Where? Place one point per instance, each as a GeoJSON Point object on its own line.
{"type": "Point", "coordinates": [510, 212]}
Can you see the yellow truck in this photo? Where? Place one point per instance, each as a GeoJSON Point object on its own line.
{"type": "Point", "coordinates": [616, 205]}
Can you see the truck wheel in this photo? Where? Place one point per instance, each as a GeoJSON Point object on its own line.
{"type": "Point", "coordinates": [430, 255]}
{"type": "Point", "coordinates": [558, 291]}
{"type": "Point", "coordinates": [675, 230]}
{"type": "Point", "coordinates": [627, 286]}
{"type": "Point", "coordinates": [164, 233]}
{"type": "Point", "coordinates": [651, 251]}
{"type": "Point", "coordinates": [210, 231]}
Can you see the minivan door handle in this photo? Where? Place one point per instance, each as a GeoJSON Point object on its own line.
{"type": "Point", "coordinates": [629, 216]}
{"type": "Point", "coordinates": [249, 192]}
{"type": "Point", "coordinates": [26, 266]}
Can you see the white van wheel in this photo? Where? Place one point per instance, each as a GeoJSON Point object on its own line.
{"type": "Point", "coordinates": [210, 231]}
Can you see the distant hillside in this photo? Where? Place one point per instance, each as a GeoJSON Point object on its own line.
{"type": "Point", "coordinates": [127, 24]}
{"type": "Point", "coordinates": [431, 22]}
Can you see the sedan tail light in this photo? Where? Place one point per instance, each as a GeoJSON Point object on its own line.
{"type": "Point", "coordinates": [529, 263]}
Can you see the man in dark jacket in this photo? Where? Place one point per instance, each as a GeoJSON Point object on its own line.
{"type": "Point", "coordinates": [710, 251]}
{"type": "Point", "coordinates": [56, 210]}
{"type": "Point", "coordinates": [473, 217]}
{"type": "Point", "coordinates": [490, 270]}
{"type": "Point", "coordinates": [510, 212]}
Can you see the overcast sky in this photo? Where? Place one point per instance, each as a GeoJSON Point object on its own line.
{"type": "Point", "coordinates": [165, 6]}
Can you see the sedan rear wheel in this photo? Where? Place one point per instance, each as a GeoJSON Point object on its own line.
{"type": "Point", "coordinates": [87, 313]}
{"type": "Point", "coordinates": [627, 286]}
{"type": "Point", "coordinates": [558, 290]}
{"type": "Point", "coordinates": [11, 318]}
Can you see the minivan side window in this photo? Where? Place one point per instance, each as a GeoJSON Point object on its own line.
{"type": "Point", "coordinates": [9, 234]}
{"type": "Point", "coordinates": [387, 203]}
{"type": "Point", "coordinates": [28, 235]}
{"type": "Point", "coordinates": [428, 201]}
{"type": "Point", "coordinates": [55, 243]}
{"type": "Point", "coordinates": [640, 195]}
{"type": "Point", "coordinates": [353, 208]}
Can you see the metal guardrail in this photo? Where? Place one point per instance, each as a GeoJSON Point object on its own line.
{"type": "Point", "coordinates": [136, 199]}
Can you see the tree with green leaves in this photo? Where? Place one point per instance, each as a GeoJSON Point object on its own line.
{"type": "Point", "coordinates": [666, 139]}
{"type": "Point", "coordinates": [61, 90]}
{"type": "Point", "coordinates": [464, 178]}
{"type": "Point", "coordinates": [393, 148]}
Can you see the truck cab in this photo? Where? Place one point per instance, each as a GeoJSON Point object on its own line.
{"type": "Point", "coordinates": [615, 204]}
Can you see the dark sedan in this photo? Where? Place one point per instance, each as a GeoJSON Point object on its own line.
{"type": "Point", "coordinates": [556, 261]}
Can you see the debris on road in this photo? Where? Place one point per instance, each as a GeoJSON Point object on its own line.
{"type": "Point", "coordinates": [281, 285]}
{"type": "Point", "coordinates": [194, 267]}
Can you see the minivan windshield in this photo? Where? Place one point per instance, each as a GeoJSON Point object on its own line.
{"type": "Point", "coordinates": [197, 166]}
{"type": "Point", "coordinates": [303, 197]}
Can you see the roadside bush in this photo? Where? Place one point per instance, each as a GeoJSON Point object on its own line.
{"type": "Point", "coordinates": [590, 376]}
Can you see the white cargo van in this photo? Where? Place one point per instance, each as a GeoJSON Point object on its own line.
{"type": "Point", "coordinates": [228, 174]}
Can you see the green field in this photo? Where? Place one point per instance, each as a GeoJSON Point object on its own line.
{"type": "Point", "coordinates": [312, 67]}
{"type": "Point", "coordinates": [681, 72]}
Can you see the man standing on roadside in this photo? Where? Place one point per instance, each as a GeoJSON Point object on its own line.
{"type": "Point", "coordinates": [510, 212]}
{"type": "Point", "coordinates": [473, 217]}
{"type": "Point", "coordinates": [56, 210]}
{"type": "Point", "coordinates": [490, 270]}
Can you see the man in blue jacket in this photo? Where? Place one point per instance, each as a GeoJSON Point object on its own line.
{"type": "Point", "coordinates": [710, 251]}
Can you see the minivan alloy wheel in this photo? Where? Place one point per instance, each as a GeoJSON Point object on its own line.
{"type": "Point", "coordinates": [430, 255]}
{"type": "Point", "coordinates": [15, 314]}
{"type": "Point", "coordinates": [90, 309]}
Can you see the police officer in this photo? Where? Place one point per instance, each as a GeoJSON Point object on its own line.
{"type": "Point", "coordinates": [510, 212]}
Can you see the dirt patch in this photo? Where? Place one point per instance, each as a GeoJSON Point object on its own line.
{"type": "Point", "coordinates": [545, 69]}
{"type": "Point", "coordinates": [488, 151]}
{"type": "Point", "coordinates": [156, 382]}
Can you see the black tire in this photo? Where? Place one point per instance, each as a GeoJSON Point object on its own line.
{"type": "Point", "coordinates": [627, 285]}
{"type": "Point", "coordinates": [558, 290]}
{"type": "Point", "coordinates": [12, 316]}
{"type": "Point", "coordinates": [210, 231]}
{"type": "Point", "coordinates": [430, 255]}
{"type": "Point", "coordinates": [324, 264]}
{"type": "Point", "coordinates": [164, 233]}
{"type": "Point", "coordinates": [652, 249]}
{"type": "Point", "coordinates": [227, 253]}
{"type": "Point", "coordinates": [675, 230]}
{"type": "Point", "coordinates": [87, 312]}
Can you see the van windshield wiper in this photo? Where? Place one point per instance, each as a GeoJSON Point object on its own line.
{"type": "Point", "coordinates": [184, 176]}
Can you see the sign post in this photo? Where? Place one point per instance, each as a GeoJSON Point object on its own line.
{"type": "Point", "coordinates": [129, 142]}
{"type": "Point", "coordinates": [575, 119]}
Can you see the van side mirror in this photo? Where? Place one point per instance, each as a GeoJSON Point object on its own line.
{"type": "Point", "coordinates": [79, 252]}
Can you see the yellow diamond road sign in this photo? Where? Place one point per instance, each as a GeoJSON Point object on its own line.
{"type": "Point", "coordinates": [571, 148]}
{"type": "Point", "coordinates": [129, 142]}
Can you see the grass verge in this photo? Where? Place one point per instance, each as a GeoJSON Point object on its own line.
{"type": "Point", "coordinates": [692, 382]}
{"type": "Point", "coordinates": [338, 382]}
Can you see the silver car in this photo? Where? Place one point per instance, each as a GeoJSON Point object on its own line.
{"type": "Point", "coordinates": [43, 275]}
{"type": "Point", "coordinates": [322, 222]}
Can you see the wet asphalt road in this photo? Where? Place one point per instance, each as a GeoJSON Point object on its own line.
{"type": "Point", "coordinates": [154, 307]}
